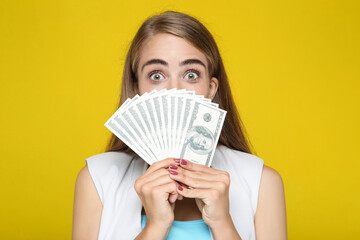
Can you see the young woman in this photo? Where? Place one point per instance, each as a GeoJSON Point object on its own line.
{"type": "Point", "coordinates": [119, 196]}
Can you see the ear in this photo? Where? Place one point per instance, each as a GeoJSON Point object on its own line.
{"type": "Point", "coordinates": [214, 83]}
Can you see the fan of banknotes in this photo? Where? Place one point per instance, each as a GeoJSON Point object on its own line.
{"type": "Point", "coordinates": [169, 123]}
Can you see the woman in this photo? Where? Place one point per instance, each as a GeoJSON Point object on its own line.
{"type": "Point", "coordinates": [119, 196]}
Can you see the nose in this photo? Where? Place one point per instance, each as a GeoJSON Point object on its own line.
{"type": "Point", "coordinates": [173, 83]}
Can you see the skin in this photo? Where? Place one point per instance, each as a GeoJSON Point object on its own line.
{"type": "Point", "coordinates": [174, 50]}
{"type": "Point", "coordinates": [158, 187]}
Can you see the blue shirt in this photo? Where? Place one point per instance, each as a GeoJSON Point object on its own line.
{"type": "Point", "coordinates": [195, 229]}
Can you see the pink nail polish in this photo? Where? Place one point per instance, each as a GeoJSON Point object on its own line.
{"type": "Point", "coordinates": [177, 160]}
{"type": "Point", "coordinates": [173, 166]}
{"type": "Point", "coordinates": [173, 172]}
{"type": "Point", "coordinates": [180, 188]}
{"type": "Point", "coordinates": [183, 162]}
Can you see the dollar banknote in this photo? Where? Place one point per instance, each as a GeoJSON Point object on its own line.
{"type": "Point", "coordinates": [169, 123]}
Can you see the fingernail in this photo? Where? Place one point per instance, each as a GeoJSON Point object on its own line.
{"type": "Point", "coordinates": [177, 160]}
{"type": "Point", "coordinates": [173, 172]}
{"type": "Point", "coordinates": [183, 162]}
{"type": "Point", "coordinates": [180, 188]}
{"type": "Point", "coordinates": [173, 166]}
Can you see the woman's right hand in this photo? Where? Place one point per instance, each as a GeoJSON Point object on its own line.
{"type": "Point", "coordinates": [157, 192]}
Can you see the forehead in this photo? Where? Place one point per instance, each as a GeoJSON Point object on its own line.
{"type": "Point", "coordinates": [170, 48]}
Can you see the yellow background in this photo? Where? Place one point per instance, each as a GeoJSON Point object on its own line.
{"type": "Point", "coordinates": [293, 66]}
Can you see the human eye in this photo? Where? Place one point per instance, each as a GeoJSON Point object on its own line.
{"type": "Point", "coordinates": [156, 76]}
{"type": "Point", "coordinates": [192, 74]}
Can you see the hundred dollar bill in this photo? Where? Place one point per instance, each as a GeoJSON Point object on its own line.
{"type": "Point", "coordinates": [156, 124]}
{"type": "Point", "coordinates": [161, 122]}
{"type": "Point", "coordinates": [165, 112]}
{"type": "Point", "coordinates": [119, 132]}
{"type": "Point", "coordinates": [172, 116]}
{"type": "Point", "coordinates": [141, 115]}
{"type": "Point", "coordinates": [147, 112]}
{"type": "Point", "coordinates": [132, 101]}
{"type": "Point", "coordinates": [125, 124]}
{"type": "Point", "coordinates": [136, 127]}
{"type": "Point", "coordinates": [202, 133]}
{"type": "Point", "coordinates": [179, 113]}
{"type": "Point", "coordinates": [141, 120]}
{"type": "Point", "coordinates": [159, 107]}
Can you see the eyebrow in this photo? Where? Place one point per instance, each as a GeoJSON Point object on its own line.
{"type": "Point", "coordinates": [162, 62]}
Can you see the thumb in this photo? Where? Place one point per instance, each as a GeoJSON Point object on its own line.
{"type": "Point", "coordinates": [173, 197]}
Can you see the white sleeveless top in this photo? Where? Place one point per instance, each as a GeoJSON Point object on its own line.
{"type": "Point", "coordinates": [114, 175]}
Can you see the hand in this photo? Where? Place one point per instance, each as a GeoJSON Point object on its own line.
{"type": "Point", "coordinates": [157, 192]}
{"type": "Point", "coordinates": [210, 190]}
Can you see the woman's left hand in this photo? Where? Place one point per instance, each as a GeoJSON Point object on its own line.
{"type": "Point", "coordinates": [210, 190]}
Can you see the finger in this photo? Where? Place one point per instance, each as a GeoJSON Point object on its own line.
{"type": "Point", "coordinates": [160, 164]}
{"type": "Point", "coordinates": [165, 179]}
{"type": "Point", "coordinates": [165, 189]}
{"type": "Point", "coordinates": [173, 197]}
{"type": "Point", "coordinates": [162, 180]}
{"type": "Point", "coordinates": [154, 175]}
{"type": "Point", "coordinates": [203, 194]}
{"type": "Point", "coordinates": [195, 182]}
{"type": "Point", "coordinates": [180, 197]}
{"type": "Point", "coordinates": [197, 167]}
{"type": "Point", "coordinates": [182, 184]}
{"type": "Point", "coordinates": [198, 175]}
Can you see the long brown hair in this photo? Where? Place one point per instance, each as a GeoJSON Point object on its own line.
{"type": "Point", "coordinates": [233, 134]}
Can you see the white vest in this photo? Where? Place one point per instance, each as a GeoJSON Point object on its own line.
{"type": "Point", "coordinates": [114, 175]}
